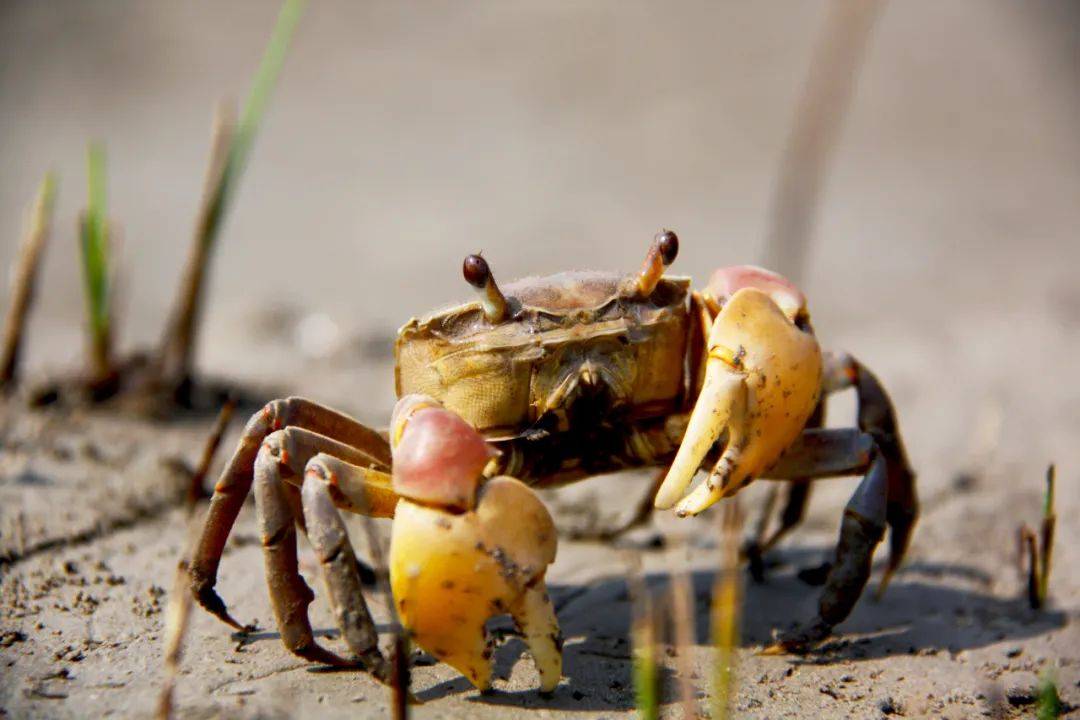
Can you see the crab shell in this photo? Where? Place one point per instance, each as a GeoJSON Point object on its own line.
{"type": "Point", "coordinates": [451, 572]}
{"type": "Point", "coordinates": [561, 331]}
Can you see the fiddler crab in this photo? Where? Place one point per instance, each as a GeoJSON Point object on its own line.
{"type": "Point", "coordinates": [555, 380]}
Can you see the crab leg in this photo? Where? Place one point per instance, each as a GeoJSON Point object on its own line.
{"type": "Point", "coordinates": [885, 496]}
{"type": "Point", "coordinates": [877, 417]}
{"type": "Point", "coordinates": [235, 482]}
{"type": "Point", "coordinates": [283, 457]}
{"type": "Point", "coordinates": [289, 594]}
{"type": "Point", "coordinates": [323, 477]}
{"type": "Point", "coordinates": [861, 529]}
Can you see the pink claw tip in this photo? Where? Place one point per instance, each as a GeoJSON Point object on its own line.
{"type": "Point", "coordinates": [438, 457]}
{"type": "Point", "coordinates": [726, 281]}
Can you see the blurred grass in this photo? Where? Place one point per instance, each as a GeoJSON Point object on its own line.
{"type": "Point", "coordinates": [1050, 706]}
{"type": "Point", "coordinates": [250, 118]}
{"type": "Point", "coordinates": [643, 638]}
{"type": "Point", "coordinates": [94, 236]}
{"type": "Point", "coordinates": [1047, 546]}
{"type": "Point", "coordinates": [24, 277]}
{"type": "Point", "coordinates": [725, 616]}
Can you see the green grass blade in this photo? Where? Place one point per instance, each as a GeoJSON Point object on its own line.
{"type": "Point", "coordinates": [646, 672]}
{"type": "Point", "coordinates": [726, 612]}
{"type": "Point", "coordinates": [265, 80]}
{"type": "Point", "coordinates": [1050, 706]}
{"type": "Point", "coordinates": [94, 236]}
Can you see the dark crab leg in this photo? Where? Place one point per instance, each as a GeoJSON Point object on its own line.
{"type": "Point", "coordinates": [235, 482]}
{"type": "Point", "coordinates": [885, 496]}
{"type": "Point", "coordinates": [877, 417]}
{"type": "Point", "coordinates": [861, 529]}
{"type": "Point", "coordinates": [877, 421]}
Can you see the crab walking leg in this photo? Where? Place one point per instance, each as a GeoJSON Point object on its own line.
{"type": "Point", "coordinates": [289, 594]}
{"type": "Point", "coordinates": [330, 539]}
{"type": "Point", "coordinates": [235, 482]}
{"type": "Point", "coordinates": [877, 416]}
{"type": "Point", "coordinates": [861, 529]}
{"type": "Point", "coordinates": [535, 617]}
{"type": "Point", "coordinates": [820, 453]}
{"type": "Point", "coordinates": [283, 457]}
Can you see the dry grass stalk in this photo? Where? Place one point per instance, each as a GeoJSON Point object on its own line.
{"type": "Point", "coordinates": [1049, 522]}
{"type": "Point", "coordinates": [815, 129]}
{"type": "Point", "coordinates": [231, 147]}
{"type": "Point", "coordinates": [644, 637]}
{"type": "Point", "coordinates": [178, 611]}
{"type": "Point", "coordinates": [682, 603]}
{"type": "Point", "coordinates": [178, 344]}
{"type": "Point", "coordinates": [195, 488]}
{"type": "Point", "coordinates": [1037, 550]}
{"type": "Point", "coordinates": [24, 276]}
{"type": "Point", "coordinates": [727, 610]}
{"type": "Point", "coordinates": [177, 619]}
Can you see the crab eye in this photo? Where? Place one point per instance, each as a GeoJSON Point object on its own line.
{"type": "Point", "coordinates": [662, 252]}
{"type": "Point", "coordinates": [478, 274]}
{"type": "Point", "coordinates": [476, 271]}
{"type": "Point", "coordinates": [668, 244]}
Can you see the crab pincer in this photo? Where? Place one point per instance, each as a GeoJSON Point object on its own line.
{"type": "Point", "coordinates": [465, 549]}
{"type": "Point", "coordinates": [762, 382]}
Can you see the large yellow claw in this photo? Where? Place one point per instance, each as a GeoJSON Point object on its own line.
{"type": "Point", "coordinates": [452, 569]}
{"type": "Point", "coordinates": [762, 381]}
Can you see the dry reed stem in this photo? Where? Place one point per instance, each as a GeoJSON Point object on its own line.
{"type": "Point", "coordinates": [644, 640]}
{"type": "Point", "coordinates": [727, 610]}
{"type": "Point", "coordinates": [815, 129]}
{"type": "Point", "coordinates": [178, 344]}
{"type": "Point", "coordinates": [24, 277]}
{"type": "Point", "coordinates": [195, 488]}
{"type": "Point", "coordinates": [682, 603]}
{"type": "Point", "coordinates": [178, 611]}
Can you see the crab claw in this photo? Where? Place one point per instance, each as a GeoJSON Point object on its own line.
{"type": "Point", "coordinates": [762, 381]}
{"type": "Point", "coordinates": [455, 565]}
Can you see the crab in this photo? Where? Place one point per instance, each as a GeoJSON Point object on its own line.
{"type": "Point", "coordinates": [552, 381]}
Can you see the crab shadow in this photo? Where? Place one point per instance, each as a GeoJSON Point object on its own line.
{"type": "Point", "coordinates": [929, 608]}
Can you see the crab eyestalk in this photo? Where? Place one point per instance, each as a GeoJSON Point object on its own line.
{"type": "Point", "coordinates": [478, 274]}
{"type": "Point", "coordinates": [662, 253]}
{"type": "Point", "coordinates": [463, 549]}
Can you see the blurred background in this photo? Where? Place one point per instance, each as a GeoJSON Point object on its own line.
{"type": "Point", "coordinates": [563, 135]}
{"type": "Point", "coordinates": [942, 250]}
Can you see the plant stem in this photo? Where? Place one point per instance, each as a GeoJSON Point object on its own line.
{"type": "Point", "coordinates": [231, 147]}
{"type": "Point", "coordinates": [24, 278]}
{"type": "Point", "coordinates": [94, 234]}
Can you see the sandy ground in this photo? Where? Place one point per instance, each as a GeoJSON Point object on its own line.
{"type": "Point", "coordinates": [554, 137]}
